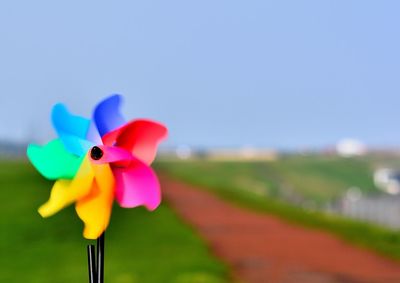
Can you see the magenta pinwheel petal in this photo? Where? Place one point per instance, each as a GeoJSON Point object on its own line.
{"type": "Point", "coordinates": [111, 154]}
{"type": "Point", "coordinates": [107, 116]}
{"type": "Point", "coordinates": [137, 185]}
{"type": "Point", "coordinates": [141, 137]}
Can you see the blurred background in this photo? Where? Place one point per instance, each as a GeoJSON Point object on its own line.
{"type": "Point", "coordinates": [288, 108]}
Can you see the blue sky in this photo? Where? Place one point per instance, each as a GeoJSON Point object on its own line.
{"type": "Point", "coordinates": [281, 74]}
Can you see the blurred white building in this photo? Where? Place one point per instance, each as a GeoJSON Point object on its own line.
{"type": "Point", "coordinates": [243, 154]}
{"type": "Point", "coordinates": [350, 147]}
{"type": "Point", "coordinates": [183, 152]}
{"type": "Point", "coordinates": [388, 180]}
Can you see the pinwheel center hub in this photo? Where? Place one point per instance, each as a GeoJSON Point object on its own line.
{"type": "Point", "coordinates": [96, 153]}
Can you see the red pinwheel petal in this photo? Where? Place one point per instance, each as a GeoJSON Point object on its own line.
{"type": "Point", "coordinates": [137, 185]}
{"type": "Point", "coordinates": [141, 137]}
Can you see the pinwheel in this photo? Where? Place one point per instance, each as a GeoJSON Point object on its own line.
{"type": "Point", "coordinates": [96, 161]}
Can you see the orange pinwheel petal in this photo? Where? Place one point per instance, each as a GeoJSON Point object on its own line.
{"type": "Point", "coordinates": [95, 209]}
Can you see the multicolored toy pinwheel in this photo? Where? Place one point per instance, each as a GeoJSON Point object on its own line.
{"type": "Point", "coordinates": [97, 160]}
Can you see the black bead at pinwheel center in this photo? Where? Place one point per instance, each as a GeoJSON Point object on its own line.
{"type": "Point", "coordinates": [96, 153]}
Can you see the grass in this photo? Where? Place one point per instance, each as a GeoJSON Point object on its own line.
{"type": "Point", "coordinates": [256, 186]}
{"type": "Point", "coordinates": [318, 179]}
{"type": "Point", "coordinates": [140, 246]}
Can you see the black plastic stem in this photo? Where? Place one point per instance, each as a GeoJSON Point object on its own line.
{"type": "Point", "coordinates": [100, 258]}
{"type": "Point", "coordinates": [96, 270]}
{"type": "Point", "coordinates": [91, 264]}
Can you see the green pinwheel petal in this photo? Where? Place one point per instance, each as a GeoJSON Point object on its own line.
{"type": "Point", "coordinates": [53, 161]}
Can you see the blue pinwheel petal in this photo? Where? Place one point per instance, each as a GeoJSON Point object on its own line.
{"type": "Point", "coordinates": [71, 129]}
{"type": "Point", "coordinates": [107, 116]}
{"type": "Point", "coordinates": [75, 145]}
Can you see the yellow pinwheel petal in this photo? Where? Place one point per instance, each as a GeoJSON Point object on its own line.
{"type": "Point", "coordinates": [95, 209]}
{"type": "Point", "coordinates": [65, 192]}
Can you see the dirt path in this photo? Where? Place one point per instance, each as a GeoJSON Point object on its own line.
{"type": "Point", "coordinates": [263, 248]}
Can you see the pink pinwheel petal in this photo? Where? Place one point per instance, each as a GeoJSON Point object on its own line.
{"type": "Point", "coordinates": [137, 185]}
{"type": "Point", "coordinates": [141, 137]}
{"type": "Point", "coordinates": [112, 154]}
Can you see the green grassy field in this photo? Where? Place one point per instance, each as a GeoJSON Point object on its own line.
{"type": "Point", "coordinates": [312, 178]}
{"type": "Point", "coordinates": [258, 185]}
{"type": "Point", "coordinates": [140, 246]}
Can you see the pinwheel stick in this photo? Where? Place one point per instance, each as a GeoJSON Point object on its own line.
{"type": "Point", "coordinates": [96, 271]}
{"type": "Point", "coordinates": [100, 259]}
{"type": "Point", "coordinates": [91, 263]}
